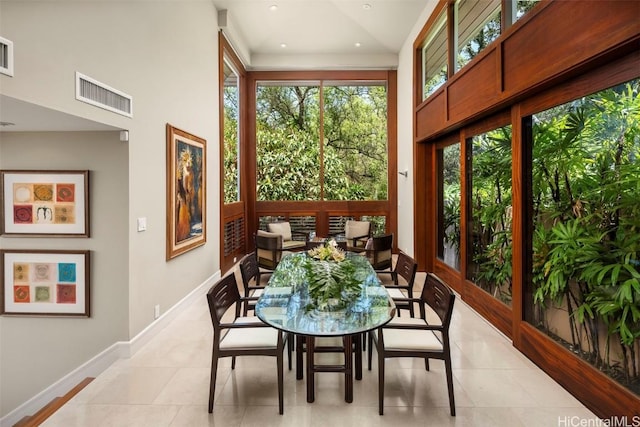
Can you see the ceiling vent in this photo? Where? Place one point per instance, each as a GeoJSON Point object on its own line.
{"type": "Point", "coordinates": [6, 56]}
{"type": "Point", "coordinates": [95, 93]}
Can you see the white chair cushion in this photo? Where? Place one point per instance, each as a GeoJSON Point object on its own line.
{"type": "Point", "coordinates": [395, 293]}
{"type": "Point", "coordinates": [250, 338]}
{"type": "Point", "coordinates": [356, 229]}
{"type": "Point", "coordinates": [293, 244]}
{"type": "Point", "coordinates": [248, 319]}
{"type": "Point", "coordinates": [256, 293]}
{"type": "Point", "coordinates": [281, 228]}
{"type": "Point", "coordinates": [410, 339]}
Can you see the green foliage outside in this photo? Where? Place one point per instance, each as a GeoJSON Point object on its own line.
{"type": "Point", "coordinates": [491, 209]}
{"type": "Point", "coordinates": [230, 161]}
{"type": "Point", "coordinates": [353, 163]}
{"type": "Point", "coordinates": [450, 187]}
{"type": "Point", "coordinates": [585, 202]}
{"type": "Point", "coordinates": [586, 194]}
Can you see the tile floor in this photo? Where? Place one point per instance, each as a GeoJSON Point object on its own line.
{"type": "Point", "coordinates": [166, 384]}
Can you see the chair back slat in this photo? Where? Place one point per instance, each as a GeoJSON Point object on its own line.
{"type": "Point", "coordinates": [439, 297]}
{"type": "Point", "coordinates": [406, 267]}
{"type": "Point", "coordinates": [221, 296]}
{"type": "Point", "coordinates": [249, 270]}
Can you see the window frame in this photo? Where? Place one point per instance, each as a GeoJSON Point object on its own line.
{"type": "Point", "coordinates": [322, 210]}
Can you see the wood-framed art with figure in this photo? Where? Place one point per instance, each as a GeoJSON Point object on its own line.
{"type": "Point", "coordinates": [186, 191]}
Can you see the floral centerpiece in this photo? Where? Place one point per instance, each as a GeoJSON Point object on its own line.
{"type": "Point", "coordinates": [331, 277]}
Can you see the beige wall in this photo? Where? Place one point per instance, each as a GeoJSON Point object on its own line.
{"type": "Point", "coordinates": [164, 54]}
{"type": "Point", "coordinates": [35, 352]}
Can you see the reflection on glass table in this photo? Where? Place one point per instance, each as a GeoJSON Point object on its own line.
{"type": "Point", "coordinates": [288, 304]}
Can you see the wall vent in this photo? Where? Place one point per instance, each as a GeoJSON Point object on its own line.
{"type": "Point", "coordinates": [95, 93]}
{"type": "Point", "coordinates": [6, 56]}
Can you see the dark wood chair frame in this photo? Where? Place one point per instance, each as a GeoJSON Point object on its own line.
{"type": "Point", "coordinates": [221, 297]}
{"type": "Point", "coordinates": [380, 244]}
{"type": "Point", "coordinates": [437, 295]}
{"type": "Point", "coordinates": [270, 244]}
{"type": "Point", "coordinates": [251, 280]}
{"type": "Point", "coordinates": [406, 267]}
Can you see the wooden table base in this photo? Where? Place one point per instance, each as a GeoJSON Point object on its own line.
{"type": "Point", "coordinates": [347, 368]}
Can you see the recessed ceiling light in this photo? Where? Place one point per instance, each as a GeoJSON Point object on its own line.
{"type": "Point", "coordinates": [366, 6]}
{"type": "Point", "coordinates": [283, 45]}
{"type": "Point", "coordinates": [273, 7]}
{"type": "Point", "coordinates": [358, 44]}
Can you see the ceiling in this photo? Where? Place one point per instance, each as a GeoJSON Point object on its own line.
{"type": "Point", "coordinates": [318, 34]}
{"type": "Point", "coordinates": [333, 32]}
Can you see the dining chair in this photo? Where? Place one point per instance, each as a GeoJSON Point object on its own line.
{"type": "Point", "coordinates": [253, 280]}
{"type": "Point", "coordinates": [269, 249]}
{"type": "Point", "coordinates": [416, 337]}
{"type": "Point", "coordinates": [242, 336]}
{"type": "Point", "coordinates": [379, 251]}
{"type": "Point", "coordinates": [399, 281]}
{"type": "Point", "coordinates": [292, 240]}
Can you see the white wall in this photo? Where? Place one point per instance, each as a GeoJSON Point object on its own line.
{"type": "Point", "coordinates": [405, 135]}
{"type": "Point", "coordinates": [164, 54]}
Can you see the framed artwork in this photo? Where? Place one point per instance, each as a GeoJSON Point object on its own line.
{"type": "Point", "coordinates": [186, 192]}
{"type": "Point", "coordinates": [45, 203]}
{"type": "Point", "coordinates": [45, 283]}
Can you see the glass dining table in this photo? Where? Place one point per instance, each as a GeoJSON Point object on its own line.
{"type": "Point", "coordinates": [286, 304]}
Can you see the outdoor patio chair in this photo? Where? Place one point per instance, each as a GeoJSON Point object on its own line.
{"type": "Point", "coordinates": [269, 249]}
{"type": "Point", "coordinates": [379, 251]}
{"type": "Point", "coordinates": [292, 240]}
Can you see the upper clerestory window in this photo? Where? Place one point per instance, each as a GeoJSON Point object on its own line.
{"type": "Point", "coordinates": [434, 57]}
{"type": "Point", "coordinates": [477, 25]}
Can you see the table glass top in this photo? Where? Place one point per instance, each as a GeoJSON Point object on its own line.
{"type": "Point", "coordinates": [285, 303]}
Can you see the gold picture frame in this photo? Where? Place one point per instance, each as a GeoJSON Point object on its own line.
{"type": "Point", "coordinates": [186, 192]}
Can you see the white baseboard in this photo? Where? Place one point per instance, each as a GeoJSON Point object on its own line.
{"type": "Point", "coordinates": [99, 363]}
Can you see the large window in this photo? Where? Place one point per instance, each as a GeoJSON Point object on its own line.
{"type": "Point", "coordinates": [586, 220]}
{"type": "Point", "coordinates": [349, 118]}
{"type": "Point", "coordinates": [448, 159]}
{"type": "Point", "coordinates": [231, 124]}
{"type": "Point", "coordinates": [288, 141]}
{"type": "Point", "coordinates": [355, 142]}
{"type": "Point", "coordinates": [489, 201]}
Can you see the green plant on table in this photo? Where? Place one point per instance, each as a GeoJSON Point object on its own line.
{"type": "Point", "coordinates": [332, 281]}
